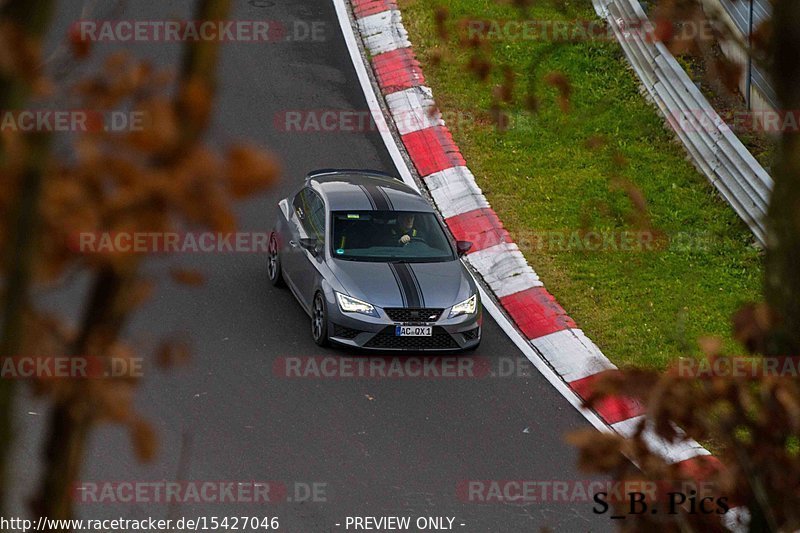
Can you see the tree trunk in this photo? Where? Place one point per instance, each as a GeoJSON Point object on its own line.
{"type": "Point", "coordinates": [782, 282]}
{"type": "Point", "coordinates": [32, 17]}
{"type": "Point", "coordinates": [72, 417]}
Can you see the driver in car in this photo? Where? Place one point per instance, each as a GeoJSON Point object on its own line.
{"type": "Point", "coordinates": [403, 231]}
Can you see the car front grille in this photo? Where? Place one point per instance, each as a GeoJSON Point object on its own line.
{"type": "Point", "coordinates": [344, 333]}
{"type": "Point", "coordinates": [439, 340]}
{"type": "Point", "coordinates": [412, 314]}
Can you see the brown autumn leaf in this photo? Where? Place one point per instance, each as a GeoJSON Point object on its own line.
{"type": "Point", "coordinates": [19, 53]}
{"type": "Point", "coordinates": [509, 79]}
{"type": "Point", "coordinates": [79, 46]}
{"type": "Point", "coordinates": [432, 112]}
{"type": "Point", "coordinates": [441, 15]}
{"type": "Point", "coordinates": [762, 35]}
{"type": "Point", "coordinates": [172, 353]}
{"type": "Point", "coordinates": [639, 217]}
{"type": "Point", "coordinates": [522, 5]}
{"type": "Point", "coordinates": [752, 325]}
{"type": "Point", "coordinates": [507, 88]}
{"type": "Point", "coordinates": [637, 199]}
{"type": "Point", "coordinates": [160, 133]}
{"type": "Point", "coordinates": [144, 440]}
{"type": "Point", "coordinates": [595, 142]}
{"type": "Point", "coordinates": [631, 382]}
{"type": "Point", "coordinates": [619, 160]}
{"type": "Point", "coordinates": [480, 67]}
{"type": "Point", "coordinates": [117, 62]}
{"type": "Point", "coordinates": [15, 150]}
{"type": "Point", "coordinates": [599, 451]}
{"type": "Point", "coordinates": [728, 72]}
{"type": "Point", "coordinates": [532, 103]}
{"type": "Point", "coordinates": [222, 219]}
{"type": "Point", "coordinates": [500, 118]}
{"type": "Point", "coordinates": [46, 335]}
{"type": "Point", "coordinates": [249, 170]}
{"type": "Point", "coordinates": [111, 399]}
{"type": "Point", "coordinates": [140, 291]}
{"type": "Point", "coordinates": [195, 102]}
{"type": "Point", "coordinates": [791, 405]}
{"type": "Point", "coordinates": [663, 30]}
{"type": "Point", "coordinates": [468, 37]}
{"type": "Point", "coordinates": [185, 276]}
{"type": "Point", "coordinates": [561, 83]}
{"type": "Point", "coordinates": [435, 58]}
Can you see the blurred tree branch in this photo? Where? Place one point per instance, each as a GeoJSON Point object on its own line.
{"type": "Point", "coordinates": [115, 283]}
{"type": "Point", "coordinates": [25, 22]}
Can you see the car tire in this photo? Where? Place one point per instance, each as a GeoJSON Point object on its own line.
{"type": "Point", "coordinates": [274, 270]}
{"type": "Point", "coordinates": [319, 320]}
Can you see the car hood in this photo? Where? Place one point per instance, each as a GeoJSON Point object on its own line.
{"type": "Point", "coordinates": [405, 284]}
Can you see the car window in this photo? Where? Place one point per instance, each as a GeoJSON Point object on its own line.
{"type": "Point", "coordinates": [310, 210]}
{"type": "Point", "coordinates": [299, 204]}
{"type": "Point", "coordinates": [316, 217]}
{"type": "Point", "coordinates": [388, 236]}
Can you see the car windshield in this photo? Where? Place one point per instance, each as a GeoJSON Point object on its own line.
{"type": "Point", "coordinates": [388, 236]}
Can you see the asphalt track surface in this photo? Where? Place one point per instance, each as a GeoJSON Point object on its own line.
{"type": "Point", "coordinates": [376, 447]}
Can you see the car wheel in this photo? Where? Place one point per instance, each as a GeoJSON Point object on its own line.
{"type": "Point", "coordinates": [274, 262]}
{"type": "Point", "coordinates": [319, 320]}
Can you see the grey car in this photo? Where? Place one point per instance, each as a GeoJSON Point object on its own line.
{"type": "Point", "coordinates": [370, 261]}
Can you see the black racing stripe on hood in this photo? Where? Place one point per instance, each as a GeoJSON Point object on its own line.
{"type": "Point", "coordinates": [378, 197]}
{"type": "Point", "coordinates": [417, 285]}
{"type": "Point", "coordinates": [370, 197]}
{"type": "Point", "coordinates": [399, 284]}
{"type": "Point", "coordinates": [383, 193]}
{"type": "Point", "coordinates": [413, 296]}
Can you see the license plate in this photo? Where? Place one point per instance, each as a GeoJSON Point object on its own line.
{"type": "Point", "coordinates": [412, 331]}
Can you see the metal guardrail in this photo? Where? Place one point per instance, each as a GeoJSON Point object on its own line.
{"type": "Point", "coordinates": [712, 146]}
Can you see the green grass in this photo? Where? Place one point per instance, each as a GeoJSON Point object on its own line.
{"type": "Point", "coordinates": [642, 308]}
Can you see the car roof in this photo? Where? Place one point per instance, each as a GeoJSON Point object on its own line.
{"type": "Point", "coordinates": [364, 190]}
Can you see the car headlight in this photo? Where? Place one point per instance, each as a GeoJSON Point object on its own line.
{"type": "Point", "coordinates": [467, 307]}
{"type": "Point", "coordinates": [348, 304]}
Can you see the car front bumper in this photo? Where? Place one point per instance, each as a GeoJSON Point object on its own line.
{"type": "Point", "coordinates": [378, 333]}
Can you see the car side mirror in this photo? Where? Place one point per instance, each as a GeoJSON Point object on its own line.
{"type": "Point", "coordinates": [311, 244]}
{"type": "Point", "coordinates": [463, 247]}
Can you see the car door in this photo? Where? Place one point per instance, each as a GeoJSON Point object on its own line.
{"type": "Point", "coordinates": [293, 258]}
{"type": "Point", "coordinates": [303, 266]}
{"type": "Point", "coordinates": [314, 226]}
